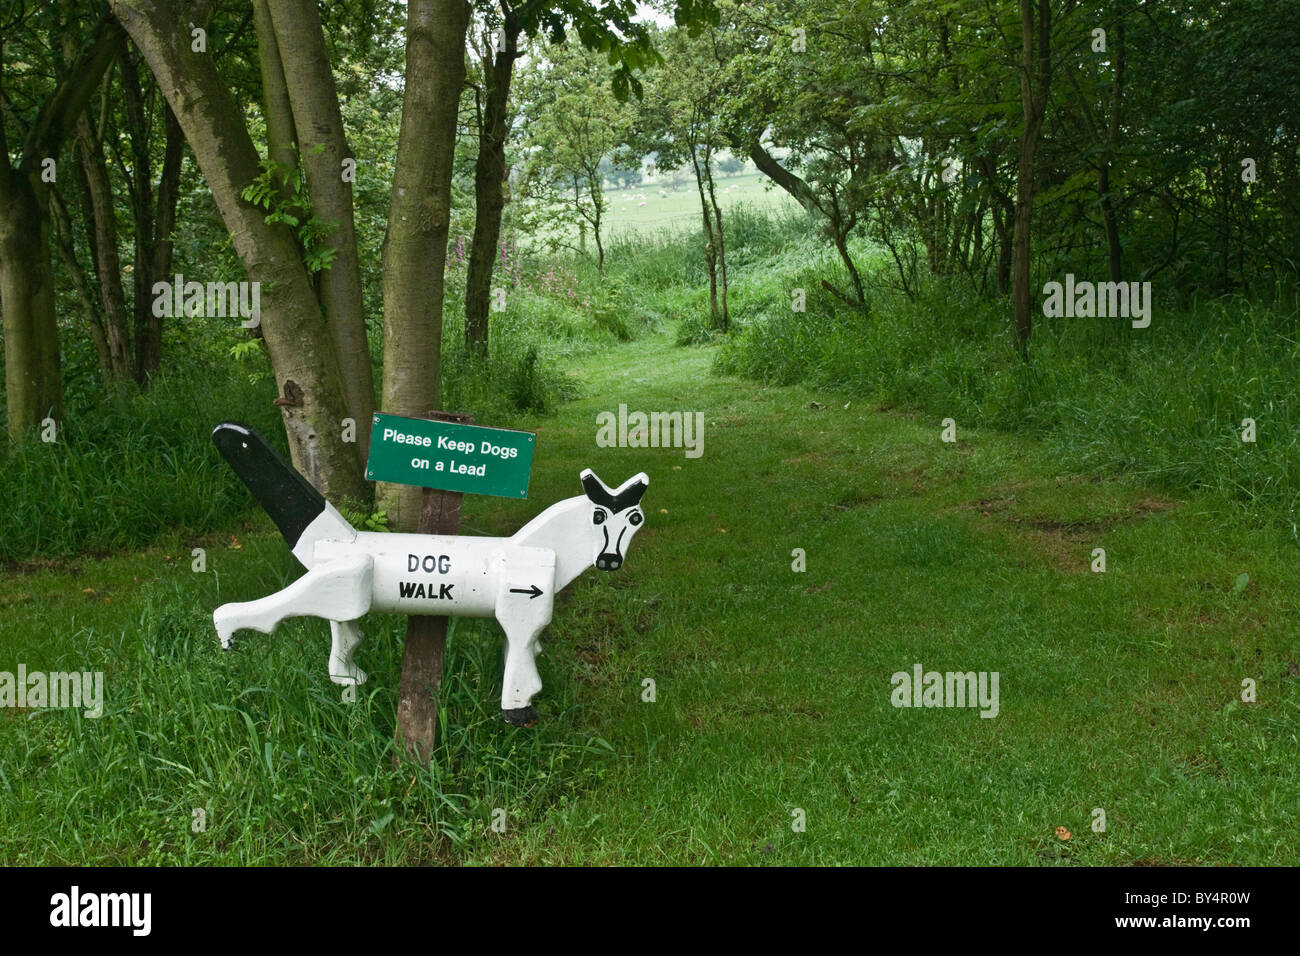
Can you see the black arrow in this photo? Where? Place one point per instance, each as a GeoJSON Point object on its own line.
{"type": "Point", "coordinates": [534, 591]}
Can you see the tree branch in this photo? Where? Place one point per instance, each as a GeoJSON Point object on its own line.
{"type": "Point", "coordinates": [61, 110]}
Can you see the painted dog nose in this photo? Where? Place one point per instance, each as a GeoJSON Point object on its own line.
{"type": "Point", "coordinates": [609, 562]}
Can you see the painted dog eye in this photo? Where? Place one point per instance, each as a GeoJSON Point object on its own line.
{"type": "Point", "coordinates": [598, 516]}
{"type": "Point", "coordinates": [635, 518]}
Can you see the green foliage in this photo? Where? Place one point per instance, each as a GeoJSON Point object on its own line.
{"type": "Point", "coordinates": [282, 191]}
{"type": "Point", "coordinates": [660, 264]}
{"type": "Point", "coordinates": [528, 340]}
{"type": "Point", "coordinates": [129, 466]}
{"type": "Point", "coordinates": [662, 278]}
{"type": "Point", "coordinates": [868, 114]}
{"type": "Point", "coordinates": [366, 521]}
{"type": "Point", "coordinates": [696, 327]}
{"type": "Point", "coordinates": [1165, 407]}
{"type": "Point", "coordinates": [253, 350]}
{"type": "Point", "coordinates": [516, 379]}
{"type": "Point", "coordinates": [573, 123]}
{"type": "Point", "coordinates": [730, 165]}
{"type": "Point", "coordinates": [607, 308]}
{"type": "Point", "coordinates": [526, 388]}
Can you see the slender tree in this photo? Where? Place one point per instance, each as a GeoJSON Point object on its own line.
{"type": "Point", "coordinates": [1035, 86]}
{"type": "Point", "coordinates": [415, 245]}
{"type": "Point", "coordinates": [302, 347]}
{"type": "Point", "coordinates": [33, 379]}
{"type": "Point", "coordinates": [497, 53]}
{"type": "Point", "coordinates": [608, 27]}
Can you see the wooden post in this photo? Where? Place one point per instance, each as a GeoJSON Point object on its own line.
{"type": "Point", "coordinates": [426, 635]}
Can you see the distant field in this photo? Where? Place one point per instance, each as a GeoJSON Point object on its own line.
{"type": "Point", "coordinates": [653, 207]}
{"type": "Point", "coordinates": [627, 213]}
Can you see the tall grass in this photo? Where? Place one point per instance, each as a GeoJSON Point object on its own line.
{"type": "Point", "coordinates": [1165, 404]}
{"type": "Point", "coordinates": [203, 757]}
{"type": "Point", "coordinates": [129, 465]}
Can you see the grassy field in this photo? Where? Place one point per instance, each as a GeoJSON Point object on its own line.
{"type": "Point", "coordinates": [1118, 690]}
{"type": "Point", "coordinates": [654, 210]}
{"type": "Point", "coordinates": [665, 209]}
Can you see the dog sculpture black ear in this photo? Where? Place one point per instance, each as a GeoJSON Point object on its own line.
{"type": "Point", "coordinates": [627, 495]}
{"type": "Point", "coordinates": [632, 491]}
{"type": "Point", "coordinates": [597, 490]}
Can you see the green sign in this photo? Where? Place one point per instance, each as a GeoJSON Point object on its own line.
{"type": "Point", "coordinates": [468, 458]}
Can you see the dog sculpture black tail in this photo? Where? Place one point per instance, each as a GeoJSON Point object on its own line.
{"type": "Point", "coordinates": [284, 494]}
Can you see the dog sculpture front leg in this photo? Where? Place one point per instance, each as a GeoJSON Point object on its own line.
{"type": "Point", "coordinates": [341, 590]}
{"type": "Point", "coordinates": [524, 604]}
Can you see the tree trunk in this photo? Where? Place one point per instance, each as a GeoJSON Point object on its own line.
{"type": "Point", "coordinates": [153, 221]}
{"type": "Point", "coordinates": [805, 196]}
{"type": "Point", "coordinates": [489, 193]}
{"type": "Point", "coordinates": [64, 240]}
{"type": "Point", "coordinates": [33, 386]}
{"type": "Point", "coordinates": [324, 149]}
{"type": "Point", "coordinates": [720, 240]}
{"type": "Point", "coordinates": [277, 110]}
{"type": "Point", "coordinates": [33, 382]}
{"type": "Point", "coordinates": [302, 352]}
{"type": "Point", "coordinates": [710, 248]}
{"type": "Point", "coordinates": [1110, 225]}
{"type": "Point", "coordinates": [839, 236]}
{"type": "Point", "coordinates": [595, 189]}
{"type": "Point", "coordinates": [102, 222]}
{"type": "Point", "coordinates": [1114, 253]}
{"type": "Point", "coordinates": [419, 690]}
{"type": "Point", "coordinates": [1001, 211]}
{"type": "Point", "coordinates": [792, 184]}
{"type": "Point", "coordinates": [840, 227]}
{"type": "Point", "coordinates": [156, 263]}
{"type": "Point", "coordinates": [415, 246]}
{"type": "Point", "coordinates": [1004, 251]}
{"type": "Point", "coordinates": [1035, 75]}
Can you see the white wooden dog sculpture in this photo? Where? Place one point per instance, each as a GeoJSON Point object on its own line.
{"type": "Point", "coordinates": [350, 572]}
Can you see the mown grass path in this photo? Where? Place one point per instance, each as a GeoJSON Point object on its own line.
{"type": "Point", "coordinates": [1119, 691]}
{"type": "Point", "coordinates": [773, 688]}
